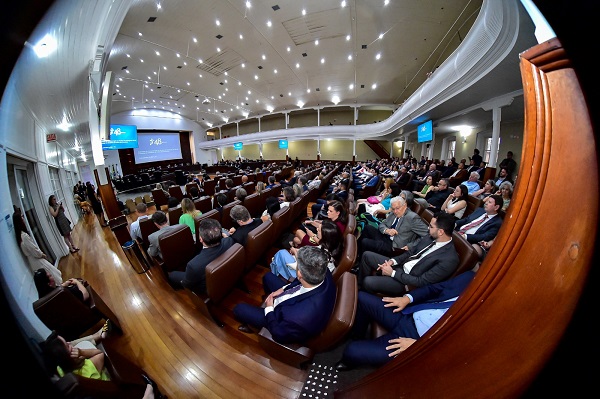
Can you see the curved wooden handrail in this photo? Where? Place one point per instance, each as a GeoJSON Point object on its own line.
{"type": "Point", "coordinates": [503, 329]}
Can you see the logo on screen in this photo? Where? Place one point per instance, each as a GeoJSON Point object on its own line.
{"type": "Point", "coordinates": [283, 144]}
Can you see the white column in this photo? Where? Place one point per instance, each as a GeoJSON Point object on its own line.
{"type": "Point", "coordinates": [496, 117]}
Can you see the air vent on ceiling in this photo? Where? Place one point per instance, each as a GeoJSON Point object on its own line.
{"type": "Point", "coordinates": [179, 67]}
{"type": "Point", "coordinates": [219, 36]}
{"type": "Point", "coordinates": [362, 86]}
{"type": "Point", "coordinates": [260, 67]}
{"type": "Point", "coordinates": [151, 19]}
{"type": "Point", "coordinates": [317, 89]}
{"type": "Point", "coordinates": [364, 46]}
{"type": "Point", "coordinates": [123, 68]}
{"type": "Point", "coordinates": [322, 25]}
{"type": "Point", "coordinates": [304, 55]}
{"type": "Point", "coordinates": [275, 7]}
{"type": "Point", "coordinates": [221, 62]}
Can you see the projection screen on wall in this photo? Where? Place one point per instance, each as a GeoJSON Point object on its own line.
{"type": "Point", "coordinates": [157, 146]}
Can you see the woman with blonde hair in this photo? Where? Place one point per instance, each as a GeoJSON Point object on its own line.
{"type": "Point", "coordinates": [188, 214]}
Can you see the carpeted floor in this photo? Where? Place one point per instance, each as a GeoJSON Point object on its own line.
{"type": "Point", "coordinates": [323, 379]}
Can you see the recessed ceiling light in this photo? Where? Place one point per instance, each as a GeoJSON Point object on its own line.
{"type": "Point", "coordinates": [316, 42]}
{"type": "Point", "coordinates": [264, 57]}
{"type": "Point", "coordinates": [218, 22]}
{"type": "Point", "coordinates": [269, 23]}
{"type": "Point", "coordinates": [303, 11]}
{"type": "Point", "coordinates": [241, 37]}
{"type": "Point", "coordinates": [350, 57]}
{"type": "Point", "coordinates": [322, 60]}
{"type": "Point", "coordinates": [378, 56]}
{"type": "Point", "coordinates": [351, 86]}
{"type": "Point", "coordinates": [374, 86]}
{"type": "Point", "coordinates": [157, 53]}
{"type": "Point", "coordinates": [289, 49]}
{"type": "Point", "coordinates": [347, 37]}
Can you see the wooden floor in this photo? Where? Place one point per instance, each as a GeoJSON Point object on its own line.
{"type": "Point", "coordinates": [188, 355]}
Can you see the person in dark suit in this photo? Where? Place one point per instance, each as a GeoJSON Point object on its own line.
{"type": "Point", "coordinates": [404, 177]}
{"type": "Point", "coordinates": [432, 260]}
{"type": "Point", "coordinates": [406, 318]}
{"type": "Point", "coordinates": [476, 158]}
{"type": "Point", "coordinates": [294, 317]}
{"type": "Point", "coordinates": [245, 222]}
{"type": "Point", "coordinates": [483, 223]}
{"type": "Point", "coordinates": [213, 245]}
{"type": "Point", "coordinates": [450, 169]}
{"type": "Point", "coordinates": [460, 175]}
{"type": "Point", "coordinates": [436, 197]}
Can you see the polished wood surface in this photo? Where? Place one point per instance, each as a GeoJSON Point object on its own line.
{"type": "Point", "coordinates": [188, 355]}
{"type": "Point", "coordinates": [504, 328]}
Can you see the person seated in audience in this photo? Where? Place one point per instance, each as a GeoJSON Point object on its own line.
{"type": "Point", "coordinates": [401, 229]}
{"type": "Point", "coordinates": [159, 218]}
{"type": "Point", "coordinates": [287, 196]}
{"type": "Point", "coordinates": [271, 181]}
{"type": "Point", "coordinates": [160, 187]}
{"type": "Point", "coordinates": [449, 170]}
{"type": "Point", "coordinates": [429, 185]}
{"type": "Point", "coordinates": [329, 239]}
{"type": "Point", "coordinates": [482, 248]}
{"type": "Point", "coordinates": [188, 214]}
{"type": "Point", "coordinates": [361, 184]}
{"type": "Point", "coordinates": [45, 283]}
{"type": "Point", "coordinates": [272, 205]}
{"type": "Point", "coordinates": [336, 212]}
{"type": "Point", "coordinates": [488, 189]}
{"type": "Point", "coordinates": [298, 190]}
{"type": "Point", "coordinates": [220, 201]}
{"type": "Point", "coordinates": [432, 259]}
{"type": "Point", "coordinates": [213, 244]}
{"type": "Point", "coordinates": [80, 356]}
{"type": "Point", "coordinates": [303, 181]}
{"type": "Point", "coordinates": [298, 311]}
{"type": "Point", "coordinates": [240, 215]}
{"type": "Point", "coordinates": [403, 176]}
{"type": "Point", "coordinates": [459, 175]}
{"type": "Point", "coordinates": [484, 223]}
{"type": "Point", "coordinates": [506, 191]}
{"type": "Point", "coordinates": [172, 202]}
{"type": "Point", "coordinates": [419, 182]}
{"type": "Point", "coordinates": [502, 177]}
{"type": "Point", "coordinates": [194, 193]}
{"type": "Point", "coordinates": [376, 199]}
{"type": "Point", "coordinates": [406, 318]}
{"type": "Point", "coordinates": [260, 186]}
{"type": "Point", "coordinates": [456, 203]}
{"type": "Point", "coordinates": [510, 165]}
{"type": "Point", "coordinates": [436, 196]}
{"type": "Point", "coordinates": [240, 194]}
{"type": "Point", "coordinates": [383, 208]}
{"type": "Point", "coordinates": [472, 182]}
{"type": "Point", "coordinates": [244, 178]}
{"type": "Point", "coordinates": [339, 193]}
{"type": "Point", "coordinates": [316, 182]}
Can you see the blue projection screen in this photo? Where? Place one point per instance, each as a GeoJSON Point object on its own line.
{"type": "Point", "coordinates": [121, 137]}
{"type": "Point", "coordinates": [283, 144]}
{"type": "Point", "coordinates": [160, 146]}
{"type": "Point", "coordinates": [425, 132]}
{"type": "Point", "coordinates": [238, 146]}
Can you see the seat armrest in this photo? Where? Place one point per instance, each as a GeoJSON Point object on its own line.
{"type": "Point", "coordinates": [293, 354]}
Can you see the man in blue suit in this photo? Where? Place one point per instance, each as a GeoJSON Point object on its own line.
{"type": "Point", "coordinates": [298, 311]}
{"type": "Point", "coordinates": [406, 318]}
{"type": "Point", "coordinates": [483, 224]}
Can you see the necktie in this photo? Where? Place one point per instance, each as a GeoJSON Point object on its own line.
{"type": "Point", "coordinates": [473, 224]}
{"type": "Point", "coordinates": [421, 252]}
{"type": "Point", "coordinates": [424, 306]}
{"type": "Point", "coordinates": [288, 291]}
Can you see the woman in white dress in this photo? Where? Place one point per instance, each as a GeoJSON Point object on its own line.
{"type": "Point", "coordinates": [35, 257]}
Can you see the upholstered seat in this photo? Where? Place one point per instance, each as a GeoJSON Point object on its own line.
{"type": "Point", "coordinates": [177, 248]}
{"type": "Point", "coordinates": [337, 328]}
{"type": "Point", "coordinates": [222, 275]}
{"type": "Point", "coordinates": [62, 311]}
{"type": "Point", "coordinates": [258, 243]}
{"type": "Point", "coordinates": [348, 257]}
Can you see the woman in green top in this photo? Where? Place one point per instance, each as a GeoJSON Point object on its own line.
{"type": "Point", "coordinates": [188, 213]}
{"type": "Point", "coordinates": [429, 184]}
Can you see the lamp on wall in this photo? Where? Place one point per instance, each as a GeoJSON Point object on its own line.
{"type": "Point", "coordinates": [464, 131]}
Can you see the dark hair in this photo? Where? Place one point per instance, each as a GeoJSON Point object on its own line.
{"type": "Point", "coordinates": [395, 189]}
{"type": "Point", "coordinates": [209, 230]}
{"type": "Point", "coordinates": [272, 205]}
{"type": "Point", "coordinates": [56, 354]}
{"type": "Point", "coordinates": [497, 199]}
{"type": "Point", "coordinates": [19, 224]}
{"type": "Point", "coordinates": [339, 207]}
{"type": "Point", "coordinates": [445, 221]}
{"type": "Point", "coordinates": [464, 193]}
{"type": "Point", "coordinates": [50, 199]}
{"type": "Point", "coordinates": [331, 239]}
{"type": "Point", "coordinates": [288, 194]}
{"type": "Point", "coordinates": [42, 282]}
{"type": "Point", "coordinates": [221, 199]}
{"type": "Point", "coordinates": [159, 217]}
{"type": "Point", "coordinates": [194, 192]}
{"type": "Point", "coordinates": [172, 202]}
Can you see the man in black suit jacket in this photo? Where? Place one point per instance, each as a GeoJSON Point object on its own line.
{"type": "Point", "coordinates": [435, 197]}
{"type": "Point", "coordinates": [433, 259]}
{"type": "Point", "coordinates": [450, 169]}
{"type": "Point", "coordinates": [489, 218]}
{"type": "Point", "coordinates": [213, 245]}
{"type": "Point", "coordinates": [246, 224]}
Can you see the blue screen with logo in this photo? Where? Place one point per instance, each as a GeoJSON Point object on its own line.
{"type": "Point", "coordinates": [238, 146]}
{"type": "Point", "coordinates": [425, 132]}
{"type": "Point", "coordinates": [121, 137]}
{"type": "Point", "coordinates": [283, 144]}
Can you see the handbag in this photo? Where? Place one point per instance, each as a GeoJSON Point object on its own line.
{"type": "Point", "coordinates": [373, 199]}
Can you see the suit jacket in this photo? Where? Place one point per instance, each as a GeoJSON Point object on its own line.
{"type": "Point", "coordinates": [486, 231]}
{"type": "Point", "coordinates": [440, 292]}
{"type": "Point", "coordinates": [302, 317]}
{"type": "Point", "coordinates": [195, 270]}
{"type": "Point", "coordinates": [153, 248]}
{"type": "Point", "coordinates": [410, 227]}
{"type": "Point", "coordinates": [460, 177]}
{"type": "Point", "coordinates": [437, 198]}
{"type": "Point", "coordinates": [431, 268]}
{"type": "Point", "coordinates": [403, 179]}
{"type": "Point", "coordinates": [241, 233]}
{"type": "Point", "coordinates": [449, 170]}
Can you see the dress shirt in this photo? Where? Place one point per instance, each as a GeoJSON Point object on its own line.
{"type": "Point", "coordinates": [426, 318]}
{"type": "Point", "coordinates": [408, 265]}
{"type": "Point", "coordinates": [285, 297]}
{"type": "Point", "coordinates": [474, 229]}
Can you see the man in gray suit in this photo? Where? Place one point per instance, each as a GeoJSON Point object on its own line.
{"type": "Point", "coordinates": [432, 260]}
{"type": "Point", "coordinates": [160, 220]}
{"type": "Point", "coordinates": [402, 229]}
